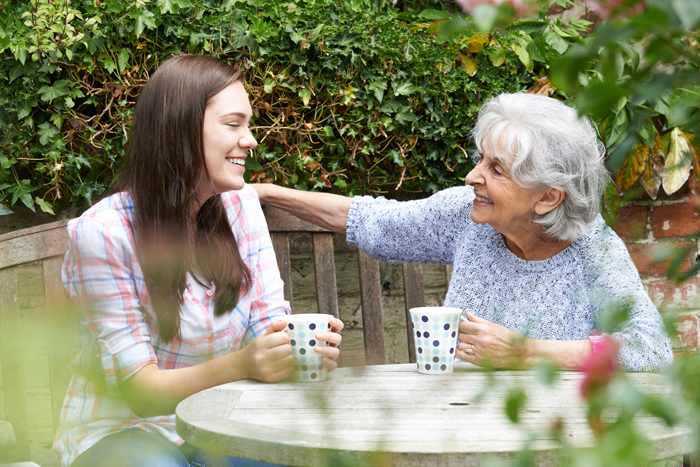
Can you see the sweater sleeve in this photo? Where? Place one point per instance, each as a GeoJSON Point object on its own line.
{"type": "Point", "coordinates": [617, 288]}
{"type": "Point", "coordinates": [422, 231]}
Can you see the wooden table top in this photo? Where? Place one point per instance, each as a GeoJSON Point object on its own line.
{"type": "Point", "coordinates": [390, 415]}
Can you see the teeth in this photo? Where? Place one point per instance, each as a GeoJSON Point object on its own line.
{"type": "Point", "coordinates": [237, 161]}
{"type": "Point", "coordinates": [484, 200]}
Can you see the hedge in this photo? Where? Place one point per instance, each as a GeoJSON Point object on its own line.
{"type": "Point", "coordinates": [347, 96]}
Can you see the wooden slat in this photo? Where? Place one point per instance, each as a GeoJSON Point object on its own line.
{"type": "Point", "coordinates": [414, 297]}
{"type": "Point", "coordinates": [33, 244]}
{"type": "Point", "coordinates": [281, 221]}
{"type": "Point", "coordinates": [12, 368]}
{"type": "Point", "coordinates": [448, 275]}
{"type": "Point", "coordinates": [280, 243]}
{"type": "Point", "coordinates": [371, 296]}
{"type": "Point", "coordinates": [60, 339]}
{"type": "Point", "coordinates": [691, 460]}
{"type": "Point", "coordinates": [324, 264]}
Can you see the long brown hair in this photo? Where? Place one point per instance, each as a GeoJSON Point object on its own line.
{"type": "Point", "coordinates": [164, 171]}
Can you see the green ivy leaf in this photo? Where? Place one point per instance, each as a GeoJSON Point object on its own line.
{"type": "Point", "coordinates": [4, 210]}
{"type": "Point", "coordinates": [22, 191]}
{"type": "Point", "coordinates": [123, 60]}
{"type": "Point", "coordinates": [44, 205]}
{"type": "Point", "coordinates": [305, 94]}
{"type": "Point", "coordinates": [405, 116]}
{"type": "Point", "coordinates": [269, 85]}
{"type": "Point", "coordinates": [251, 164]}
{"type": "Point", "coordinates": [46, 132]}
{"type": "Point", "coordinates": [108, 63]}
{"type": "Point", "coordinates": [315, 32]}
{"type": "Point", "coordinates": [435, 14]}
{"type": "Point", "coordinates": [144, 20]}
{"type": "Point", "coordinates": [406, 89]}
{"type": "Point", "coordinates": [173, 6]}
{"type": "Point", "coordinates": [58, 89]}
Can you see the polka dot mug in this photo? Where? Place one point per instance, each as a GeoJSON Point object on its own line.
{"type": "Point", "coordinates": [302, 329]}
{"type": "Point", "coordinates": [435, 330]}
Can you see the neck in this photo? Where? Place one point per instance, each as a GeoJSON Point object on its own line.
{"type": "Point", "coordinates": [534, 244]}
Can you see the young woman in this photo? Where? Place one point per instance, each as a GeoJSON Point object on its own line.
{"type": "Point", "coordinates": [175, 277]}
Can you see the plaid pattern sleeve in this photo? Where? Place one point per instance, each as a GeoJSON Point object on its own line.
{"type": "Point", "coordinates": [103, 277]}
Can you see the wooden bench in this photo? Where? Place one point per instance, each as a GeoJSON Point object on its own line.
{"type": "Point", "coordinates": [46, 245]}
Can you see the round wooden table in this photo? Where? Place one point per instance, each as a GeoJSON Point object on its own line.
{"type": "Point", "coordinates": [390, 415]}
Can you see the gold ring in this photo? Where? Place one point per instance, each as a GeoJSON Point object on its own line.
{"type": "Point", "coordinates": [469, 351]}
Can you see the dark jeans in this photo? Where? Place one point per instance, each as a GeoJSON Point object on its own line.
{"type": "Point", "coordinates": [138, 448]}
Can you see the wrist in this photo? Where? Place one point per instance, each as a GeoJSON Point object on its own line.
{"type": "Point", "coordinates": [239, 365]}
{"type": "Point", "coordinates": [532, 352]}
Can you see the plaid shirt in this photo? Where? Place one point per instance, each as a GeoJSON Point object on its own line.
{"type": "Point", "coordinates": [118, 330]}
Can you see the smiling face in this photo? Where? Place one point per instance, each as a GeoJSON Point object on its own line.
{"type": "Point", "coordinates": [227, 139]}
{"type": "Point", "coordinates": [500, 201]}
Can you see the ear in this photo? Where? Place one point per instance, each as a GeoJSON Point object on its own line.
{"type": "Point", "coordinates": [550, 198]}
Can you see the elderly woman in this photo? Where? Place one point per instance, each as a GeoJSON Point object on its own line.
{"type": "Point", "coordinates": [535, 266]}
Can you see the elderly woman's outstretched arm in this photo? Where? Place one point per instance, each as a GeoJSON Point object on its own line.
{"type": "Point", "coordinates": [323, 209]}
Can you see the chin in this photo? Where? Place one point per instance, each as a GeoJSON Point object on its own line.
{"type": "Point", "coordinates": [476, 219]}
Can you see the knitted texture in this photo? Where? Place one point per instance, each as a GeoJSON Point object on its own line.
{"type": "Point", "coordinates": [561, 298]}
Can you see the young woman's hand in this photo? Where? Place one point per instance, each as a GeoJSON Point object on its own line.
{"type": "Point", "coordinates": [331, 351]}
{"type": "Point", "coordinates": [268, 358]}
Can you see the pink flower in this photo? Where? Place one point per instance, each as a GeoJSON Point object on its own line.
{"type": "Point", "coordinates": [600, 366]}
{"type": "Point", "coordinates": [525, 7]}
{"type": "Point", "coordinates": [605, 7]}
{"type": "Point", "coordinates": [521, 7]}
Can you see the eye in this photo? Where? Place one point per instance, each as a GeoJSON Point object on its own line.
{"type": "Point", "coordinates": [233, 125]}
{"type": "Point", "coordinates": [496, 169]}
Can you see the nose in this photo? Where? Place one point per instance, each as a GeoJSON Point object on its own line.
{"type": "Point", "coordinates": [475, 177]}
{"type": "Point", "coordinates": [248, 141]}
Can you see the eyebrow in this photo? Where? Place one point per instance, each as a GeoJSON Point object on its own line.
{"type": "Point", "coordinates": [494, 158]}
{"type": "Point", "coordinates": [236, 114]}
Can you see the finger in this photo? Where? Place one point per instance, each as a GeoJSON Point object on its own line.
{"type": "Point", "coordinates": [336, 325]}
{"type": "Point", "coordinates": [473, 318]}
{"type": "Point", "coordinates": [272, 340]}
{"type": "Point", "coordinates": [280, 375]}
{"type": "Point", "coordinates": [282, 363]}
{"type": "Point", "coordinates": [469, 328]}
{"type": "Point", "coordinates": [464, 356]}
{"type": "Point", "coordinates": [466, 345]}
{"type": "Point", "coordinates": [278, 353]}
{"type": "Point", "coordinates": [331, 337]}
{"type": "Point", "coordinates": [277, 325]}
{"type": "Point", "coordinates": [330, 364]}
{"type": "Point", "coordinates": [327, 351]}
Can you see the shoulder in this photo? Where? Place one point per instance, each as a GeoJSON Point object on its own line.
{"type": "Point", "coordinates": [451, 198]}
{"type": "Point", "coordinates": [112, 215]}
{"type": "Point", "coordinates": [244, 211]}
{"type": "Point", "coordinates": [604, 252]}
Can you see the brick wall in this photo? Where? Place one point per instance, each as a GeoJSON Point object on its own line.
{"type": "Point", "coordinates": [652, 228]}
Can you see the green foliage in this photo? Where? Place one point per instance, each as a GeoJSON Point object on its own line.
{"type": "Point", "coordinates": [638, 80]}
{"type": "Point", "coordinates": [354, 96]}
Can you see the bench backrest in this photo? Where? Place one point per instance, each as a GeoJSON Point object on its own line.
{"type": "Point", "coordinates": [46, 245]}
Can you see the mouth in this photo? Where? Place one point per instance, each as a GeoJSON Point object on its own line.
{"type": "Point", "coordinates": [483, 200]}
{"type": "Point", "coordinates": [236, 161]}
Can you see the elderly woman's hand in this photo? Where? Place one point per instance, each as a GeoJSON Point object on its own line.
{"type": "Point", "coordinates": [331, 351]}
{"type": "Point", "coordinates": [482, 343]}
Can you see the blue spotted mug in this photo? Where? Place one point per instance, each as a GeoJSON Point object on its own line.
{"type": "Point", "coordinates": [435, 330]}
{"type": "Point", "coordinates": [302, 329]}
